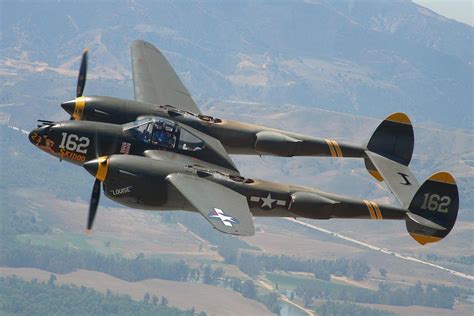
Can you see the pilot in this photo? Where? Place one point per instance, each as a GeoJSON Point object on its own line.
{"type": "Point", "coordinates": [161, 136]}
{"type": "Point", "coordinates": [146, 135]}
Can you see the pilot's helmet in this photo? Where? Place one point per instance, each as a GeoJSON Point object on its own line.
{"type": "Point", "coordinates": [158, 125]}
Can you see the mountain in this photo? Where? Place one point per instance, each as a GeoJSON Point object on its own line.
{"type": "Point", "coordinates": [360, 57]}
{"type": "Point", "coordinates": [330, 69]}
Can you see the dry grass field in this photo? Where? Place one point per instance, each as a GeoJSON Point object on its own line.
{"type": "Point", "coordinates": [460, 309]}
{"type": "Point", "coordinates": [211, 299]}
{"type": "Point", "coordinates": [119, 227]}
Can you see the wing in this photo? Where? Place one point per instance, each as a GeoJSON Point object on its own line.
{"type": "Point", "coordinates": [225, 209]}
{"type": "Point", "coordinates": [219, 155]}
{"type": "Point", "coordinates": [155, 81]}
{"type": "Point", "coordinates": [197, 164]}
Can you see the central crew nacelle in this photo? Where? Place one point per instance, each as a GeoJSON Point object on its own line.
{"type": "Point", "coordinates": [81, 141]}
{"type": "Point", "coordinates": [77, 142]}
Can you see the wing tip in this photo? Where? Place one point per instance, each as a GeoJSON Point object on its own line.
{"type": "Point", "coordinates": [139, 42]}
{"type": "Point", "coordinates": [136, 44]}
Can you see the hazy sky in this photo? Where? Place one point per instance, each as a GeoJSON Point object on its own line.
{"type": "Point", "coordinates": [460, 10]}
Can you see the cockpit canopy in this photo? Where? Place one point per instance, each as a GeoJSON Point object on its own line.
{"type": "Point", "coordinates": [164, 133]}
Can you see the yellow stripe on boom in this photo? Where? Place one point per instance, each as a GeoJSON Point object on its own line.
{"type": "Point", "coordinates": [338, 149]}
{"type": "Point", "coordinates": [334, 148]}
{"type": "Point", "coordinates": [369, 207]}
{"type": "Point", "coordinates": [377, 210]}
{"type": "Point", "coordinates": [331, 149]}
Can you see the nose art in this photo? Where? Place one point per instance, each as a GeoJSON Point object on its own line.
{"type": "Point", "coordinates": [36, 135]}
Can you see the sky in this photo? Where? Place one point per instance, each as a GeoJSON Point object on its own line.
{"type": "Point", "coordinates": [459, 10]}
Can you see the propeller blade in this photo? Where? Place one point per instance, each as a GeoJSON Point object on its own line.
{"type": "Point", "coordinates": [81, 81]}
{"type": "Point", "coordinates": [93, 204]}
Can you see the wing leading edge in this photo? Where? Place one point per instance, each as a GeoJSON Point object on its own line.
{"type": "Point", "coordinates": [225, 209]}
{"type": "Point", "coordinates": [155, 81]}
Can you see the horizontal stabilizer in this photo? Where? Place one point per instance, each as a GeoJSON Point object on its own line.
{"type": "Point", "coordinates": [398, 177]}
{"type": "Point", "coordinates": [423, 221]}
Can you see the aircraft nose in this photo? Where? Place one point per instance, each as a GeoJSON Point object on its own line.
{"type": "Point", "coordinates": [33, 136]}
{"type": "Point", "coordinates": [98, 167]}
{"type": "Point", "coordinates": [36, 135]}
{"type": "Point", "coordinates": [69, 106]}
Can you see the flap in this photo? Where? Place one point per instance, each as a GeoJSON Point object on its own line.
{"type": "Point", "coordinates": [225, 209]}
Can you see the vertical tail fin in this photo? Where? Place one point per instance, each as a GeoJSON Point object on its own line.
{"type": "Point", "coordinates": [393, 139]}
{"type": "Point", "coordinates": [434, 209]}
{"type": "Point", "coordinates": [389, 151]}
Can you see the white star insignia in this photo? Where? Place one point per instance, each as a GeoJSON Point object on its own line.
{"type": "Point", "coordinates": [268, 201]}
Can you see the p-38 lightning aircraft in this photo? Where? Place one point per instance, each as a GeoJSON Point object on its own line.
{"type": "Point", "coordinates": [161, 163]}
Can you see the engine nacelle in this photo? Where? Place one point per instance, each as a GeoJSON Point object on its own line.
{"type": "Point", "coordinates": [138, 182]}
